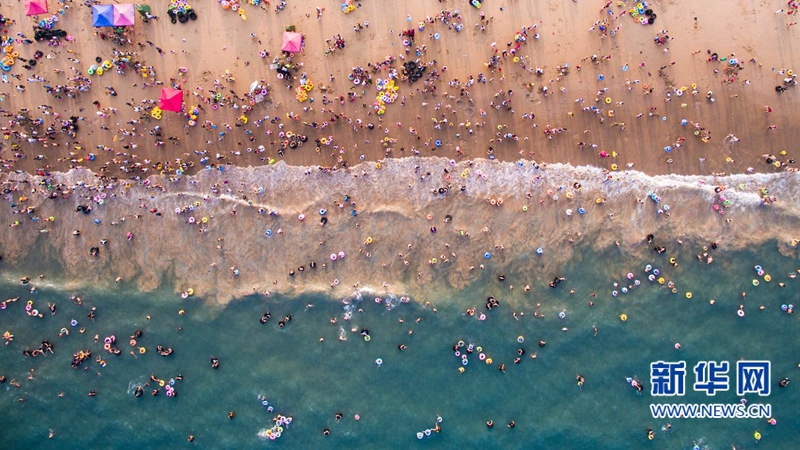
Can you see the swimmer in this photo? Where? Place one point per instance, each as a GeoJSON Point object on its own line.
{"type": "Point", "coordinates": [490, 423]}
{"type": "Point", "coordinates": [339, 416]}
{"type": "Point", "coordinates": [580, 379]}
{"type": "Point", "coordinates": [511, 424]}
{"type": "Point", "coordinates": [326, 431]}
{"type": "Point", "coordinates": [231, 415]}
{"type": "Point", "coordinates": [214, 363]}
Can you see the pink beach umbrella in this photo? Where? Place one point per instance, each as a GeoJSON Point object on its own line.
{"type": "Point", "coordinates": [171, 100]}
{"type": "Point", "coordinates": [35, 7]}
{"type": "Point", "coordinates": [292, 42]}
{"type": "Point", "coordinates": [124, 15]}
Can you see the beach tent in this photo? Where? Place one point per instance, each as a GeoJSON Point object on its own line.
{"type": "Point", "coordinates": [292, 42]}
{"type": "Point", "coordinates": [124, 15]}
{"type": "Point", "coordinates": [35, 7]}
{"type": "Point", "coordinates": [102, 15]}
{"type": "Point", "coordinates": [171, 99]}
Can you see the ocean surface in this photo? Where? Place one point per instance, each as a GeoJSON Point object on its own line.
{"type": "Point", "coordinates": [310, 381]}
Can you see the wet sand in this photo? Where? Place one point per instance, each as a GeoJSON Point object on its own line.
{"type": "Point", "coordinates": [741, 28]}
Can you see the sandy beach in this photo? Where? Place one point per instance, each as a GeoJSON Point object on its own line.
{"type": "Point", "coordinates": [448, 223]}
{"type": "Point", "coordinates": [700, 99]}
{"type": "Point", "coordinates": [634, 124]}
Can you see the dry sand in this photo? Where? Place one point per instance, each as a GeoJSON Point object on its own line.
{"type": "Point", "coordinates": [220, 40]}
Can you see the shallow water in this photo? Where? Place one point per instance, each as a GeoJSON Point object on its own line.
{"type": "Point", "coordinates": [311, 380]}
{"type": "Point", "coordinates": [265, 223]}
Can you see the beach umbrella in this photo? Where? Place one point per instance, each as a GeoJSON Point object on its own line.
{"type": "Point", "coordinates": [253, 86]}
{"type": "Point", "coordinates": [35, 7]}
{"type": "Point", "coordinates": [144, 10]}
{"type": "Point", "coordinates": [171, 99]}
{"type": "Point", "coordinates": [292, 42]}
{"type": "Point", "coordinates": [103, 15]}
{"type": "Point", "coordinates": [124, 15]}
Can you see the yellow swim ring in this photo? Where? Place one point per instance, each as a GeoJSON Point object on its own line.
{"type": "Point", "coordinates": [623, 317]}
{"type": "Point", "coordinates": [608, 100]}
{"type": "Point", "coordinates": [204, 220]}
{"type": "Point", "coordinates": [767, 278]}
{"type": "Point", "coordinates": [688, 295]}
{"type": "Point", "coordinates": [142, 350]}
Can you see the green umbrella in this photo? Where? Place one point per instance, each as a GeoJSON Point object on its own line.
{"type": "Point", "coordinates": [144, 10]}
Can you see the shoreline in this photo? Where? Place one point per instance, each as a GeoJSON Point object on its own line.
{"type": "Point", "coordinates": [390, 216]}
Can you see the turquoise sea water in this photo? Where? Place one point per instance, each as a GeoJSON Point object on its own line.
{"type": "Point", "coordinates": [311, 380]}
